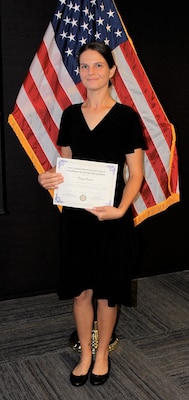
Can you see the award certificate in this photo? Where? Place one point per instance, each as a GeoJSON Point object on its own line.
{"type": "Point", "coordinates": [87, 184]}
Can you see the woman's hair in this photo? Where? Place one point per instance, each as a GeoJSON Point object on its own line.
{"type": "Point", "coordinates": [102, 48]}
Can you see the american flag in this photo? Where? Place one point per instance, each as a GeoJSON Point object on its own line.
{"type": "Point", "coordinates": [53, 83]}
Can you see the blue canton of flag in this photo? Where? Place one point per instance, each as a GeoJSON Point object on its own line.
{"type": "Point", "coordinates": [76, 24]}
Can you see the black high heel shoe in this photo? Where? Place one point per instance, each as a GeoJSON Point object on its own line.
{"type": "Point", "coordinates": [100, 379]}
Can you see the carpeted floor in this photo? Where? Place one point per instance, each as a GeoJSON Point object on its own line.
{"type": "Point", "coordinates": [150, 362]}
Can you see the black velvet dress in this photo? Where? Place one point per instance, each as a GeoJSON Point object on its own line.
{"type": "Point", "coordinates": [99, 254]}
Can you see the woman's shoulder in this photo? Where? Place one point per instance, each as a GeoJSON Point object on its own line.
{"type": "Point", "coordinates": [125, 108]}
{"type": "Point", "coordinates": [69, 114]}
{"type": "Point", "coordinates": [128, 113]}
{"type": "Point", "coordinates": [72, 108]}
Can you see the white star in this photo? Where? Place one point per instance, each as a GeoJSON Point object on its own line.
{"type": "Point", "coordinates": [100, 21]}
{"type": "Point", "coordinates": [63, 34]}
{"type": "Point", "coordinates": [69, 52]}
{"type": "Point", "coordinates": [108, 28]}
{"type": "Point", "coordinates": [106, 41]}
{"type": "Point", "coordinates": [91, 17]}
{"type": "Point", "coordinates": [93, 2]}
{"type": "Point", "coordinates": [70, 6]}
{"type": "Point", "coordinates": [67, 20]}
{"type": "Point", "coordinates": [110, 13]}
{"type": "Point", "coordinates": [71, 37]}
{"type": "Point", "coordinates": [84, 26]}
{"type": "Point", "coordinates": [86, 11]}
{"type": "Point", "coordinates": [83, 41]}
{"type": "Point", "coordinates": [76, 71]}
{"type": "Point", "coordinates": [97, 35]}
{"type": "Point", "coordinates": [76, 7]}
{"type": "Point", "coordinates": [118, 33]}
{"type": "Point", "coordinates": [74, 22]}
{"type": "Point", "coordinates": [102, 6]}
{"type": "Point", "coordinates": [58, 15]}
{"type": "Point", "coordinates": [62, 2]}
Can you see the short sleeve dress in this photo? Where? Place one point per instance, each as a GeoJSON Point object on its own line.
{"type": "Point", "coordinates": [95, 254]}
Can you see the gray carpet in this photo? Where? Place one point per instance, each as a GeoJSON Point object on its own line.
{"type": "Point", "coordinates": [150, 362]}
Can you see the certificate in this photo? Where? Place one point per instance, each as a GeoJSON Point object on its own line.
{"type": "Point", "coordinates": [87, 184]}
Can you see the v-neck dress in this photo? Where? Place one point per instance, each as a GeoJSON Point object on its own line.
{"type": "Point", "coordinates": [95, 254]}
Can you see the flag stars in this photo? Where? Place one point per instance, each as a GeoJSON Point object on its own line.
{"type": "Point", "coordinates": [91, 17]}
{"type": "Point", "coordinates": [67, 20]}
{"type": "Point", "coordinates": [106, 41]}
{"type": "Point", "coordinates": [69, 52]}
{"type": "Point", "coordinates": [76, 7]}
{"type": "Point", "coordinates": [118, 33]}
{"type": "Point", "coordinates": [83, 21]}
{"type": "Point", "coordinates": [70, 6]}
{"type": "Point", "coordinates": [111, 13]}
{"type": "Point", "coordinates": [62, 2]}
{"type": "Point", "coordinates": [97, 35]}
{"type": "Point", "coordinates": [83, 41]}
{"type": "Point", "coordinates": [74, 22]}
{"type": "Point", "coordinates": [84, 26]}
{"type": "Point", "coordinates": [86, 11]}
{"type": "Point", "coordinates": [76, 71]}
{"type": "Point", "coordinates": [58, 15]}
{"type": "Point", "coordinates": [100, 21]}
{"type": "Point", "coordinates": [63, 35]}
{"type": "Point", "coordinates": [71, 37]}
{"type": "Point", "coordinates": [102, 6]}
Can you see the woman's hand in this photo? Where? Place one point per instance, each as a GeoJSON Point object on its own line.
{"type": "Point", "coordinates": [104, 213]}
{"type": "Point", "coordinates": [50, 180]}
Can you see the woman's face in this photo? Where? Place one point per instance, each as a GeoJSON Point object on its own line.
{"type": "Point", "coordinates": [94, 70]}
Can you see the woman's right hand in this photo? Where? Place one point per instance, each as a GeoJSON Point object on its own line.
{"type": "Point", "coordinates": [50, 180]}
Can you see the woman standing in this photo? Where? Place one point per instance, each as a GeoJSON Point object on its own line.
{"type": "Point", "coordinates": [98, 245]}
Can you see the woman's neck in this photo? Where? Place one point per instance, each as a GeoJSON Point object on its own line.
{"type": "Point", "coordinates": [96, 102]}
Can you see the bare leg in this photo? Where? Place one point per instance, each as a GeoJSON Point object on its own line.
{"type": "Point", "coordinates": [84, 316]}
{"type": "Point", "coordinates": [106, 319]}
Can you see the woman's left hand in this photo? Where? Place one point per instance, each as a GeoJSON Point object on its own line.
{"type": "Point", "coordinates": [104, 213]}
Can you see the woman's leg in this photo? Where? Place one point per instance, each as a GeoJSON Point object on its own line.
{"type": "Point", "coordinates": [84, 316]}
{"type": "Point", "coordinates": [106, 319]}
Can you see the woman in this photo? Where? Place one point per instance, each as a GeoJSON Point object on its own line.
{"type": "Point", "coordinates": [97, 245]}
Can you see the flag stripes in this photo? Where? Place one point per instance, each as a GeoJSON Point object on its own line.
{"type": "Point", "coordinates": [50, 87]}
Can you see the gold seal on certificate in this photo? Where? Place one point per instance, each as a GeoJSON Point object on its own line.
{"type": "Point", "coordinates": [83, 197]}
{"type": "Point", "coordinates": [87, 184]}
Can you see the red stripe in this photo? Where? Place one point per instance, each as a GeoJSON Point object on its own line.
{"type": "Point", "coordinates": [51, 76]}
{"type": "Point", "coordinates": [81, 89]}
{"type": "Point", "coordinates": [146, 87]}
{"type": "Point", "coordinates": [147, 196]}
{"type": "Point", "coordinates": [31, 138]}
{"type": "Point", "coordinates": [40, 107]}
{"type": "Point", "coordinates": [121, 90]}
{"type": "Point", "coordinates": [152, 152]}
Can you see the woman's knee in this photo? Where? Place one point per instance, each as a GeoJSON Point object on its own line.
{"type": "Point", "coordinates": [84, 296]}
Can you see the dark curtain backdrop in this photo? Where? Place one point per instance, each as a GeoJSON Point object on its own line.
{"type": "Point", "coordinates": [29, 228]}
{"type": "Point", "coordinates": [2, 163]}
